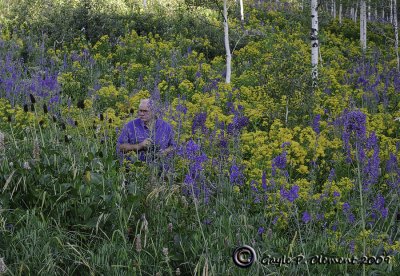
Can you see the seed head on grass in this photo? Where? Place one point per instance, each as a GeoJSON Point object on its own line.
{"type": "Point", "coordinates": [26, 165]}
{"type": "Point", "coordinates": [33, 100]}
{"type": "Point", "coordinates": [2, 143]}
{"type": "Point", "coordinates": [36, 150]}
{"type": "Point", "coordinates": [3, 267]}
{"type": "Point", "coordinates": [165, 251]}
{"type": "Point", "coordinates": [138, 243]}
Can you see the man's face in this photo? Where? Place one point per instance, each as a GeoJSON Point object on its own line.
{"type": "Point", "coordinates": [145, 114]}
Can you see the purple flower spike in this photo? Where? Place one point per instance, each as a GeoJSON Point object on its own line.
{"type": "Point", "coordinates": [292, 194]}
{"type": "Point", "coordinates": [306, 217]}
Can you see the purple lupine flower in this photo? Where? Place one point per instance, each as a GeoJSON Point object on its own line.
{"type": "Point", "coordinates": [260, 231]}
{"type": "Point", "coordinates": [379, 206]}
{"type": "Point", "coordinates": [352, 246]}
{"type": "Point", "coordinates": [320, 216]}
{"type": "Point", "coordinates": [355, 124]}
{"type": "Point", "coordinates": [238, 123]}
{"type": "Point", "coordinates": [351, 218]}
{"type": "Point", "coordinates": [280, 161]}
{"type": "Point", "coordinates": [199, 122]}
{"type": "Point", "coordinates": [292, 194]}
{"type": "Point", "coordinates": [235, 176]}
{"type": "Point", "coordinates": [372, 141]}
{"type": "Point", "coordinates": [336, 194]}
{"type": "Point", "coordinates": [371, 170]}
{"type": "Point", "coordinates": [392, 164]}
{"type": "Point", "coordinates": [285, 144]}
{"type": "Point", "coordinates": [346, 207]}
{"type": "Point", "coordinates": [264, 181]}
{"type": "Point", "coordinates": [181, 108]}
{"type": "Point", "coordinates": [332, 175]}
{"type": "Point", "coordinates": [253, 186]}
{"type": "Point", "coordinates": [315, 124]}
{"type": "Point", "coordinates": [354, 127]}
{"type": "Point", "coordinates": [192, 149]}
{"type": "Point", "coordinates": [306, 217]}
{"type": "Point", "coordinates": [190, 188]}
{"type": "Point", "coordinates": [346, 210]}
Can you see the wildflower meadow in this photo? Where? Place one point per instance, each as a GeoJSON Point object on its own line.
{"type": "Point", "coordinates": [304, 172]}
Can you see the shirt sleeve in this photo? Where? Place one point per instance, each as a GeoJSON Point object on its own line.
{"type": "Point", "coordinates": [124, 137]}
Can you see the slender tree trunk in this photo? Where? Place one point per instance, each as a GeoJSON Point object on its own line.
{"type": "Point", "coordinates": [369, 10]}
{"type": "Point", "coordinates": [334, 9]}
{"type": "Point", "coordinates": [145, 4]}
{"type": "Point", "coordinates": [241, 10]}
{"type": "Point", "coordinates": [356, 12]}
{"type": "Point", "coordinates": [314, 42]}
{"type": "Point", "coordinates": [352, 13]}
{"type": "Point", "coordinates": [383, 13]}
{"type": "Point", "coordinates": [227, 48]}
{"type": "Point", "coordinates": [391, 11]}
{"type": "Point", "coordinates": [363, 25]}
{"type": "Point", "coordinates": [396, 34]}
{"type": "Point", "coordinates": [340, 11]}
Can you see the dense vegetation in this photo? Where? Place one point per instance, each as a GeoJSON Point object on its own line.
{"type": "Point", "coordinates": [267, 160]}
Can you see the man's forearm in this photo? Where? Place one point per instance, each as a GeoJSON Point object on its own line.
{"type": "Point", "coordinates": [125, 148]}
{"type": "Point", "coordinates": [168, 150]}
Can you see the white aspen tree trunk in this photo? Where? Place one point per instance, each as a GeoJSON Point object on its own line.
{"type": "Point", "coordinates": [227, 48]}
{"type": "Point", "coordinates": [376, 13]}
{"type": "Point", "coordinates": [383, 13]}
{"type": "Point", "coordinates": [369, 10]}
{"type": "Point", "coordinates": [363, 25]}
{"type": "Point", "coordinates": [241, 10]}
{"type": "Point", "coordinates": [145, 4]}
{"type": "Point", "coordinates": [340, 12]}
{"type": "Point", "coordinates": [396, 34]}
{"type": "Point", "coordinates": [391, 11]}
{"type": "Point", "coordinates": [356, 12]}
{"type": "Point", "coordinates": [314, 42]}
{"type": "Point", "coordinates": [334, 9]}
{"type": "Point", "coordinates": [352, 13]}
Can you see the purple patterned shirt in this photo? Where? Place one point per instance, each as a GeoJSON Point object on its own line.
{"type": "Point", "coordinates": [136, 132]}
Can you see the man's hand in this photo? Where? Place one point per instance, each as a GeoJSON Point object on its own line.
{"type": "Point", "coordinates": [126, 147]}
{"type": "Point", "coordinates": [145, 144]}
{"type": "Point", "coordinates": [166, 151]}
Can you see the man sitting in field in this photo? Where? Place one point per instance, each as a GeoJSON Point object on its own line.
{"type": "Point", "coordinates": [148, 136]}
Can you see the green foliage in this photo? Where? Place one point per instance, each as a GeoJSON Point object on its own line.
{"type": "Point", "coordinates": [68, 206]}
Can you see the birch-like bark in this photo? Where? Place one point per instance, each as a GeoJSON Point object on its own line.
{"type": "Point", "coordinates": [396, 34]}
{"type": "Point", "coordinates": [241, 10]}
{"type": "Point", "coordinates": [391, 11]}
{"type": "Point", "coordinates": [314, 42]}
{"type": "Point", "coordinates": [363, 25]}
{"type": "Point", "coordinates": [369, 10]}
{"type": "Point", "coordinates": [227, 48]}
{"type": "Point", "coordinates": [356, 12]}
{"type": "Point", "coordinates": [145, 4]}
{"type": "Point", "coordinates": [352, 13]}
{"type": "Point", "coordinates": [333, 9]}
{"type": "Point", "coordinates": [340, 12]}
